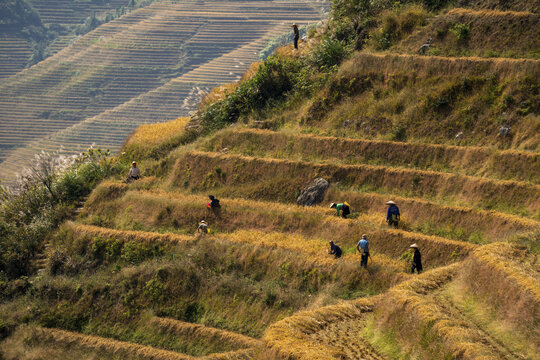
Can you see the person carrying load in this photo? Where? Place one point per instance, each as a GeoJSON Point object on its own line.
{"type": "Point", "coordinates": [344, 207]}
{"type": "Point", "coordinates": [335, 250]}
{"type": "Point", "coordinates": [392, 214]}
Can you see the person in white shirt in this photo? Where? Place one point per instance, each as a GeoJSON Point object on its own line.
{"type": "Point", "coordinates": [134, 172]}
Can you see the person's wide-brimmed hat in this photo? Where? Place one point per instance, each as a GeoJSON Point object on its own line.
{"type": "Point", "coordinates": [133, 162]}
{"type": "Point", "coordinates": [294, 24]}
{"type": "Point", "coordinates": [332, 205]}
{"type": "Point", "coordinates": [414, 246]}
{"type": "Point", "coordinates": [203, 221]}
{"type": "Point", "coordinates": [364, 236]}
{"type": "Point", "coordinates": [390, 203]}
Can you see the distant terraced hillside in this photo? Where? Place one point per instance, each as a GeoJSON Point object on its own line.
{"type": "Point", "coordinates": [148, 66]}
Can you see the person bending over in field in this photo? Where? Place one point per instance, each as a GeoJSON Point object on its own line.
{"type": "Point", "coordinates": [214, 205]}
{"type": "Point", "coordinates": [343, 207]}
{"type": "Point", "coordinates": [416, 260]}
{"type": "Point", "coordinates": [363, 248]}
{"type": "Point", "coordinates": [203, 227]}
{"type": "Point", "coordinates": [334, 250]}
{"type": "Point", "coordinates": [134, 173]}
{"type": "Point", "coordinates": [392, 214]}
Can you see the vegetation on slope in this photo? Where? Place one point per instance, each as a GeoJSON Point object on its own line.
{"type": "Point", "coordinates": [130, 259]}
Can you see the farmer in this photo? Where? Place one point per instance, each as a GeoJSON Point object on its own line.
{"type": "Point", "coordinates": [363, 248]}
{"type": "Point", "coordinates": [296, 35]}
{"type": "Point", "coordinates": [214, 205]}
{"type": "Point", "coordinates": [343, 207]}
{"type": "Point", "coordinates": [417, 259]}
{"type": "Point", "coordinates": [203, 227]}
{"type": "Point", "coordinates": [134, 172]}
{"type": "Point", "coordinates": [334, 250]}
{"type": "Point", "coordinates": [392, 214]}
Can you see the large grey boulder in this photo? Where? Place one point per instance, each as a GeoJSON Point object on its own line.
{"type": "Point", "coordinates": [313, 193]}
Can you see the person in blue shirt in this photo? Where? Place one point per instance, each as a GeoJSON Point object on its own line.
{"type": "Point", "coordinates": [363, 248]}
{"type": "Point", "coordinates": [335, 250]}
{"type": "Point", "coordinates": [392, 215]}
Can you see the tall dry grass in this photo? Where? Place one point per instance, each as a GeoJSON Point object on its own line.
{"type": "Point", "coordinates": [491, 33]}
{"type": "Point", "coordinates": [429, 327]}
{"type": "Point", "coordinates": [198, 171]}
{"type": "Point", "coordinates": [363, 63]}
{"type": "Point", "coordinates": [234, 340]}
{"type": "Point", "coordinates": [508, 277]}
{"type": "Point", "coordinates": [127, 235]}
{"type": "Point", "coordinates": [290, 337]}
{"type": "Point", "coordinates": [106, 346]}
{"type": "Point", "coordinates": [148, 209]}
{"type": "Point", "coordinates": [476, 161]}
{"type": "Point", "coordinates": [154, 134]}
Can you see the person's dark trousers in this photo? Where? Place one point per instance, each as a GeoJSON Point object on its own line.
{"type": "Point", "coordinates": [363, 260]}
{"type": "Point", "coordinates": [295, 43]}
{"type": "Point", "coordinates": [417, 267]}
{"type": "Point", "coordinates": [393, 223]}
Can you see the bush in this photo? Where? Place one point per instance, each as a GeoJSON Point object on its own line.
{"type": "Point", "coordinates": [328, 53]}
{"type": "Point", "coordinates": [41, 200]}
{"type": "Point", "coordinates": [462, 32]}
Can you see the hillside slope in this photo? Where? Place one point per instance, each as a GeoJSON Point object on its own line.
{"type": "Point", "coordinates": [72, 98]}
{"type": "Point", "coordinates": [131, 275]}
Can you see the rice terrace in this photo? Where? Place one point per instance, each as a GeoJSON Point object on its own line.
{"type": "Point", "coordinates": [252, 179]}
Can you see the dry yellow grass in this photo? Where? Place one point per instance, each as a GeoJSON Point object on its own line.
{"type": "Point", "coordinates": [154, 134]}
{"type": "Point", "coordinates": [201, 331]}
{"type": "Point", "coordinates": [108, 346]}
{"type": "Point", "coordinates": [259, 175]}
{"type": "Point", "coordinates": [422, 66]}
{"type": "Point", "coordinates": [127, 235]}
{"type": "Point", "coordinates": [316, 222]}
{"type": "Point", "coordinates": [291, 338]}
{"type": "Point", "coordinates": [416, 316]}
{"type": "Point", "coordinates": [509, 278]}
{"type": "Point", "coordinates": [509, 164]}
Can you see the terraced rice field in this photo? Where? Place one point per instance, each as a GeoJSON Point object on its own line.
{"type": "Point", "coordinates": [261, 284]}
{"type": "Point", "coordinates": [15, 53]}
{"type": "Point", "coordinates": [148, 66]}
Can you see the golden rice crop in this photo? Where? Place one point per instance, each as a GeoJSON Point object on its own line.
{"type": "Point", "coordinates": [205, 332]}
{"type": "Point", "coordinates": [290, 337]}
{"type": "Point", "coordinates": [258, 176]}
{"type": "Point", "coordinates": [412, 313]}
{"type": "Point", "coordinates": [154, 134]}
{"type": "Point", "coordinates": [508, 278]}
{"type": "Point", "coordinates": [128, 235]}
{"type": "Point", "coordinates": [245, 354]}
{"type": "Point", "coordinates": [104, 345]}
{"type": "Point", "coordinates": [314, 222]}
{"type": "Point", "coordinates": [471, 160]}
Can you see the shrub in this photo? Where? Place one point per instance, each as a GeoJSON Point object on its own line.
{"type": "Point", "coordinates": [462, 32]}
{"type": "Point", "coordinates": [328, 53]}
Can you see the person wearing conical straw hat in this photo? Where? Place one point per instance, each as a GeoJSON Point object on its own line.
{"type": "Point", "coordinates": [417, 259]}
{"type": "Point", "coordinates": [296, 35]}
{"type": "Point", "coordinates": [344, 207]}
{"type": "Point", "coordinates": [392, 214]}
{"type": "Point", "coordinates": [203, 227]}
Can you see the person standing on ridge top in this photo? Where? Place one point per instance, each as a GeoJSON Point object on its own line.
{"type": "Point", "coordinates": [344, 207]}
{"type": "Point", "coordinates": [417, 260]}
{"type": "Point", "coordinates": [392, 214]}
{"type": "Point", "coordinates": [363, 248]}
{"type": "Point", "coordinates": [334, 250]}
{"type": "Point", "coordinates": [296, 35]}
